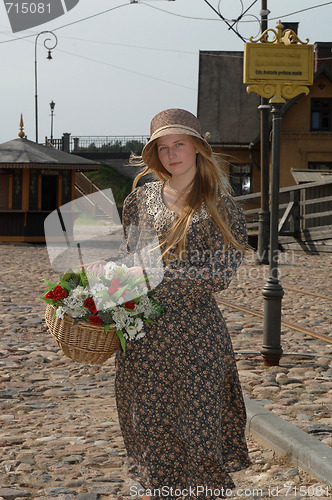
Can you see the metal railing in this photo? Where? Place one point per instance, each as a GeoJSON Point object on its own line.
{"type": "Point", "coordinates": [116, 144]}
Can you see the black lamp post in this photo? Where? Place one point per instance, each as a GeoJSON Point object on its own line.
{"type": "Point", "coordinates": [49, 47]}
{"type": "Point", "coordinates": [52, 106]}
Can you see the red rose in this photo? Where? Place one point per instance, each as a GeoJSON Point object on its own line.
{"type": "Point", "coordinates": [90, 304]}
{"type": "Point", "coordinates": [50, 295]}
{"type": "Point", "coordinates": [130, 305]}
{"type": "Point", "coordinates": [114, 286]}
{"type": "Point", "coordinates": [59, 293]}
{"type": "Point", "coordinates": [95, 320]}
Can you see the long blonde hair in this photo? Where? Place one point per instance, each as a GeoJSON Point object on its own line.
{"type": "Point", "coordinates": [210, 185]}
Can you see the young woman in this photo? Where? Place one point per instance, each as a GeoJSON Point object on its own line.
{"type": "Point", "coordinates": [179, 400]}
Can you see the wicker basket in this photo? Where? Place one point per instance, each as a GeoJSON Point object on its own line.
{"type": "Point", "coordinates": [82, 342]}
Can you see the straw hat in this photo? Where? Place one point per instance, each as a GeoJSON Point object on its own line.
{"type": "Point", "coordinates": [173, 121]}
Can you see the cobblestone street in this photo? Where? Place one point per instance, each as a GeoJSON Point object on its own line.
{"type": "Point", "coordinates": [59, 432]}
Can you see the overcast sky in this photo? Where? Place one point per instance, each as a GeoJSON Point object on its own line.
{"type": "Point", "coordinates": [112, 73]}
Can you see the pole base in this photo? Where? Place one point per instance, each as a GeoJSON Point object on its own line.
{"type": "Point", "coordinates": [271, 357]}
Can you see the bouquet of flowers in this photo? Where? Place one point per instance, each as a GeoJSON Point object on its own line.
{"type": "Point", "coordinates": [115, 300]}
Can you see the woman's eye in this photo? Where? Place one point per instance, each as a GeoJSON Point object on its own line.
{"type": "Point", "coordinates": [180, 144]}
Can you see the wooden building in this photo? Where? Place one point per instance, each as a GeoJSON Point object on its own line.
{"type": "Point", "coordinates": [34, 181]}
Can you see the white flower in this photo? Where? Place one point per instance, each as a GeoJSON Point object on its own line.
{"type": "Point", "coordinates": [144, 306]}
{"type": "Point", "coordinates": [98, 287]}
{"type": "Point", "coordinates": [75, 312]}
{"type": "Point", "coordinates": [112, 270]}
{"type": "Point", "coordinates": [108, 270]}
{"type": "Point", "coordinates": [121, 318]}
{"type": "Point", "coordinates": [108, 305]}
{"type": "Point", "coordinates": [133, 294]}
{"type": "Point", "coordinates": [138, 324]}
{"type": "Point", "coordinates": [131, 331]}
{"type": "Point", "coordinates": [80, 293]}
{"type": "Point", "coordinates": [140, 335]}
{"type": "Point", "coordinates": [60, 312]}
{"type": "Point", "coordinates": [120, 271]}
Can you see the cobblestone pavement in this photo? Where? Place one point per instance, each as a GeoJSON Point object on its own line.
{"type": "Point", "coordinates": [59, 433]}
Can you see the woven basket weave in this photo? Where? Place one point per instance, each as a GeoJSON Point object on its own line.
{"type": "Point", "coordinates": [82, 342]}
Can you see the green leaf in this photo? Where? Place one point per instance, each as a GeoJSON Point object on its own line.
{"type": "Point", "coordinates": [65, 285]}
{"type": "Point", "coordinates": [50, 284]}
{"type": "Point", "coordinates": [92, 278]}
{"type": "Point", "coordinates": [106, 328]}
{"type": "Point", "coordinates": [50, 301]}
{"type": "Point", "coordinates": [69, 274]}
{"type": "Point", "coordinates": [122, 339]}
{"type": "Point", "coordinates": [102, 293]}
{"type": "Point", "coordinates": [119, 292]}
{"type": "Point", "coordinates": [84, 279]}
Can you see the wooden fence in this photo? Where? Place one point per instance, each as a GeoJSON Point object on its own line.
{"type": "Point", "coordinates": [305, 211]}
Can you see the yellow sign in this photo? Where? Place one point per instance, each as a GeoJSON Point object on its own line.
{"type": "Point", "coordinates": [269, 63]}
{"type": "Point", "coordinates": [278, 69]}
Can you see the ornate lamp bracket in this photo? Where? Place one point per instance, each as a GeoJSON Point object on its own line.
{"type": "Point", "coordinates": [281, 37]}
{"type": "Point", "coordinates": [278, 87]}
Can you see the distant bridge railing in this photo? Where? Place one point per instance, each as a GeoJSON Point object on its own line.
{"type": "Point", "coordinates": [99, 144]}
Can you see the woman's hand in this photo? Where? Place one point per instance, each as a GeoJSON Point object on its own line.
{"type": "Point", "coordinates": [95, 267]}
{"type": "Point", "coordinates": [136, 271]}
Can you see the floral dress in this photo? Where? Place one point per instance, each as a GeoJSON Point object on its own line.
{"type": "Point", "coordinates": [178, 395]}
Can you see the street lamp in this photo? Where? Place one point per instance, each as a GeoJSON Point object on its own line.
{"type": "Point", "coordinates": [49, 46]}
{"type": "Point", "coordinates": [52, 106]}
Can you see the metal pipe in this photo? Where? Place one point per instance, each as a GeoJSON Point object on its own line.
{"type": "Point", "coordinates": [273, 292]}
{"type": "Point", "coordinates": [262, 256]}
{"type": "Point", "coordinates": [49, 57]}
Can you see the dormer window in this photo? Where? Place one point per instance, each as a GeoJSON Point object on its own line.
{"type": "Point", "coordinates": [321, 115]}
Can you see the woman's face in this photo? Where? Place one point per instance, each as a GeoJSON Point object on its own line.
{"type": "Point", "coordinates": [177, 154]}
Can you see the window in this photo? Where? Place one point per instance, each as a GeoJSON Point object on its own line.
{"type": "Point", "coordinates": [321, 115]}
{"type": "Point", "coordinates": [49, 192]}
{"type": "Point", "coordinates": [4, 191]}
{"type": "Point", "coordinates": [240, 178]}
{"type": "Point", "coordinates": [320, 165]}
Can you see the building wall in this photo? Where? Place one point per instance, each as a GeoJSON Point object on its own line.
{"type": "Point", "coordinates": [226, 110]}
{"type": "Point", "coordinates": [242, 156]}
{"type": "Point", "coordinates": [298, 144]}
{"type": "Point", "coordinates": [27, 196]}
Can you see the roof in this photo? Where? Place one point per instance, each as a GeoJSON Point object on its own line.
{"type": "Point", "coordinates": [306, 175]}
{"type": "Point", "coordinates": [22, 153]}
{"type": "Point", "coordinates": [225, 109]}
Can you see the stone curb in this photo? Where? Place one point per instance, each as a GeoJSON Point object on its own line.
{"type": "Point", "coordinates": [286, 439]}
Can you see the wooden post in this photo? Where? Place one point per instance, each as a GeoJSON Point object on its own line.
{"type": "Point", "coordinates": [25, 189]}
{"type": "Point", "coordinates": [294, 225]}
{"type": "Point", "coordinates": [40, 191]}
{"type": "Point", "coordinates": [10, 194]}
{"type": "Point", "coordinates": [73, 184]}
{"type": "Point", "coordinates": [59, 192]}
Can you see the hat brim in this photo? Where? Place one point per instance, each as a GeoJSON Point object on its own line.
{"type": "Point", "coordinates": [176, 130]}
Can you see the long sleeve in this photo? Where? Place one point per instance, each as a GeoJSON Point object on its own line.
{"type": "Point", "coordinates": [141, 244]}
{"type": "Point", "coordinates": [208, 265]}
